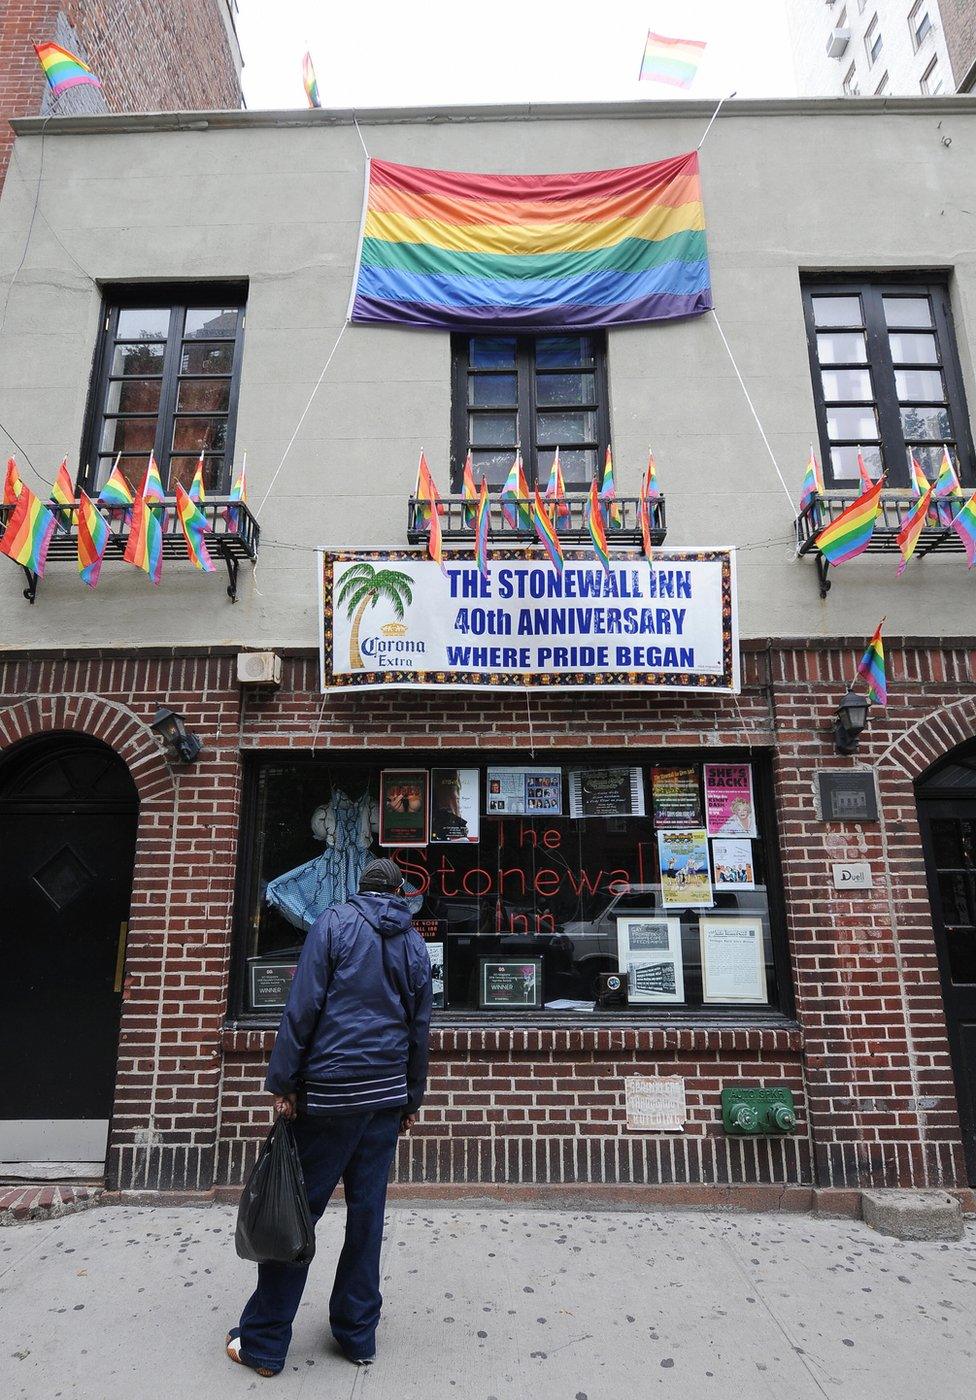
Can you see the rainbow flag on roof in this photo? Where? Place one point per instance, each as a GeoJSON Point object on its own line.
{"type": "Point", "coordinates": [964, 524]}
{"type": "Point", "coordinates": [580, 251]}
{"type": "Point", "coordinates": [93, 536]}
{"type": "Point", "coordinates": [64, 69]}
{"type": "Point", "coordinates": [193, 523]}
{"type": "Point", "coordinates": [671, 61]}
{"type": "Point", "coordinates": [309, 82]}
{"type": "Point", "coordinates": [30, 526]}
{"type": "Point", "coordinates": [872, 667]}
{"type": "Point", "coordinates": [144, 547]}
{"type": "Point", "coordinates": [546, 531]}
{"type": "Point", "coordinates": [849, 535]}
{"type": "Point", "coordinates": [598, 533]}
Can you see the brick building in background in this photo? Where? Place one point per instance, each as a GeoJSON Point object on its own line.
{"type": "Point", "coordinates": [188, 275]}
{"type": "Point", "coordinates": [150, 56]}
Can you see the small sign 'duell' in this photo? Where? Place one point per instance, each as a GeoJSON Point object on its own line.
{"type": "Point", "coordinates": [655, 1103]}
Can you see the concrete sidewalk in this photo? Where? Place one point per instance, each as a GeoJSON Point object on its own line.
{"type": "Point", "coordinates": [123, 1303]}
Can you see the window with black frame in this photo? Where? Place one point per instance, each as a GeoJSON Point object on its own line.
{"type": "Point", "coordinates": [533, 392]}
{"type": "Point", "coordinates": [166, 379]}
{"type": "Point", "coordinates": [886, 379]}
{"type": "Point", "coordinates": [560, 887]}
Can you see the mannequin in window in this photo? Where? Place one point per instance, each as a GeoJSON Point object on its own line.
{"type": "Point", "coordinates": [346, 824]}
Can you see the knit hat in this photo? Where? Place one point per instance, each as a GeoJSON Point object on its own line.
{"type": "Point", "coordinates": [381, 876]}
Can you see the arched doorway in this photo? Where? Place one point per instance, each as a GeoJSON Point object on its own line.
{"type": "Point", "coordinates": [68, 813]}
{"type": "Point", "coordinates": [947, 816]}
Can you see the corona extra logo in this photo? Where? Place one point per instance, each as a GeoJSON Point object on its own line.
{"type": "Point", "coordinates": [394, 629]}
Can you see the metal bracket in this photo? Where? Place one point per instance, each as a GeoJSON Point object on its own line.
{"type": "Point", "coordinates": [232, 567]}
{"type": "Point", "coordinates": [823, 567]}
{"type": "Point", "coordinates": [30, 592]}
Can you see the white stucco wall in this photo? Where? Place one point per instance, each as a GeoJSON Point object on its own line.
{"type": "Point", "coordinates": [787, 186]}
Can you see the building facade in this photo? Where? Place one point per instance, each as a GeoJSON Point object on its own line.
{"type": "Point", "coordinates": [183, 56]}
{"type": "Point", "coordinates": [865, 48]}
{"type": "Point", "coordinates": [813, 941]}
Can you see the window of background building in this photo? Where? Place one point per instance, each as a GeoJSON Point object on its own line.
{"type": "Point", "coordinates": [851, 87]}
{"type": "Point", "coordinates": [166, 377]}
{"type": "Point", "coordinates": [542, 392]}
{"type": "Point", "coordinates": [882, 85]}
{"type": "Point", "coordinates": [885, 377]}
{"type": "Point", "coordinates": [931, 81]}
{"type": "Point", "coordinates": [919, 23]}
{"type": "Point", "coordinates": [872, 41]}
{"type": "Point", "coordinates": [582, 894]}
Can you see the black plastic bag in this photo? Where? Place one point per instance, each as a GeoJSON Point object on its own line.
{"type": "Point", "coordinates": [274, 1223]}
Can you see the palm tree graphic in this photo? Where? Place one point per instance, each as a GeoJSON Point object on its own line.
{"type": "Point", "coordinates": [361, 588]}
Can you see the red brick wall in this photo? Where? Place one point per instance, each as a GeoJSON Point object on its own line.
{"type": "Point", "coordinates": [869, 1065]}
{"type": "Point", "coordinates": [150, 55]}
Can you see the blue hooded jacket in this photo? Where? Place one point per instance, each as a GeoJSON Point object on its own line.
{"type": "Point", "coordinates": [354, 1032]}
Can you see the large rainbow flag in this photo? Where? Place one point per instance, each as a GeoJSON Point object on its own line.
{"type": "Point", "coordinates": [531, 252]}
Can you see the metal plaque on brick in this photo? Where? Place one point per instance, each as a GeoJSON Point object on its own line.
{"type": "Point", "coordinates": [397, 618]}
{"type": "Point", "coordinates": [847, 795]}
{"type": "Point", "coordinates": [655, 1103]}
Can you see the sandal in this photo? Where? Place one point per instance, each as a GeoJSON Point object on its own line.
{"type": "Point", "coordinates": [232, 1344]}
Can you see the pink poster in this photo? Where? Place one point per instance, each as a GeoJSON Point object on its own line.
{"type": "Point", "coordinates": [729, 804]}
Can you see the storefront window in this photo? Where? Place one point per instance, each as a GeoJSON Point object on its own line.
{"type": "Point", "coordinates": [540, 886]}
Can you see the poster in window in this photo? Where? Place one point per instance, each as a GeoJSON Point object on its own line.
{"type": "Point", "coordinates": [676, 797]}
{"type": "Point", "coordinates": [606, 792]}
{"type": "Point", "coordinates": [732, 864]}
{"type": "Point", "coordinates": [509, 983]}
{"type": "Point", "coordinates": [733, 959]}
{"type": "Point", "coordinates": [525, 792]}
{"type": "Point", "coordinates": [729, 803]}
{"type": "Point", "coordinates": [435, 952]}
{"type": "Point", "coordinates": [453, 805]}
{"type": "Point", "coordinates": [649, 951]}
{"type": "Point", "coordinates": [403, 807]}
{"type": "Point", "coordinates": [685, 880]}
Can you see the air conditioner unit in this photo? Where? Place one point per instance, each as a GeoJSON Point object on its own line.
{"type": "Point", "coordinates": [258, 668]}
{"type": "Point", "coordinates": [837, 41]}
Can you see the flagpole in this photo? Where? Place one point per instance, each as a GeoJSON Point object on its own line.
{"type": "Point", "coordinates": [714, 115]}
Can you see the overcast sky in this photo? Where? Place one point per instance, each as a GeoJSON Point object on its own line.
{"type": "Point", "coordinates": [437, 52]}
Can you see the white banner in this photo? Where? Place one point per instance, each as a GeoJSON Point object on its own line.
{"type": "Point", "coordinates": [395, 619]}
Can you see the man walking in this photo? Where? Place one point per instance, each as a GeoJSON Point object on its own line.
{"type": "Point", "coordinates": [349, 1065]}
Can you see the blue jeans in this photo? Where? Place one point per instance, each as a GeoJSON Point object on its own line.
{"type": "Point", "coordinates": [359, 1149]}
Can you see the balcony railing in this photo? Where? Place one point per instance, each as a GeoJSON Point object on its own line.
{"type": "Point", "coordinates": [895, 505]}
{"type": "Point", "coordinates": [230, 545]}
{"type": "Point", "coordinates": [455, 528]}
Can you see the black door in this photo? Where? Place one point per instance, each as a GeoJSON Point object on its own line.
{"type": "Point", "coordinates": [68, 812]}
{"type": "Point", "coordinates": [947, 810]}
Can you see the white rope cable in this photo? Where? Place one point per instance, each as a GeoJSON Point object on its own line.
{"type": "Point", "coordinates": [714, 115]}
{"type": "Point", "coordinates": [752, 410]}
{"type": "Point", "coordinates": [360, 135]}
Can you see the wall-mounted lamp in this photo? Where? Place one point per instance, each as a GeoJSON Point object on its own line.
{"type": "Point", "coordinates": [178, 740]}
{"type": "Point", "coordinates": [849, 722]}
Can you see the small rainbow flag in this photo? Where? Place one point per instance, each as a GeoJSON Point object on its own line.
{"type": "Point", "coordinates": [197, 491]}
{"type": "Point", "coordinates": [872, 667]}
{"type": "Point", "coordinates": [867, 480]}
{"type": "Point", "coordinates": [556, 489]}
{"type": "Point", "coordinates": [671, 61]}
{"type": "Point", "coordinates": [911, 528]}
{"type": "Point", "coordinates": [919, 480]}
{"type": "Point", "coordinates": [608, 492]}
{"type": "Point", "coordinates": [432, 510]}
{"type": "Point", "coordinates": [28, 533]}
{"type": "Point", "coordinates": [152, 483]}
{"type": "Point", "coordinates": [515, 493]}
{"type": "Point", "coordinates": [116, 491]}
{"type": "Point", "coordinates": [308, 81]}
{"type": "Point", "coordinates": [63, 494]}
{"type": "Point", "coordinates": [848, 536]}
{"type": "Point", "coordinates": [546, 531]}
{"type": "Point", "coordinates": [481, 529]}
{"type": "Point", "coordinates": [93, 536]}
{"type": "Point", "coordinates": [64, 69]}
{"type": "Point", "coordinates": [964, 524]}
{"type": "Point", "coordinates": [812, 485]}
{"type": "Point", "coordinates": [649, 493]}
{"type": "Point", "coordinates": [144, 547]}
{"type": "Point", "coordinates": [193, 523]}
{"type": "Point", "coordinates": [238, 492]}
{"type": "Point", "coordinates": [597, 529]}
{"type": "Point", "coordinates": [12, 484]}
{"type": "Point", "coordinates": [947, 483]}
{"type": "Point", "coordinates": [469, 490]}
